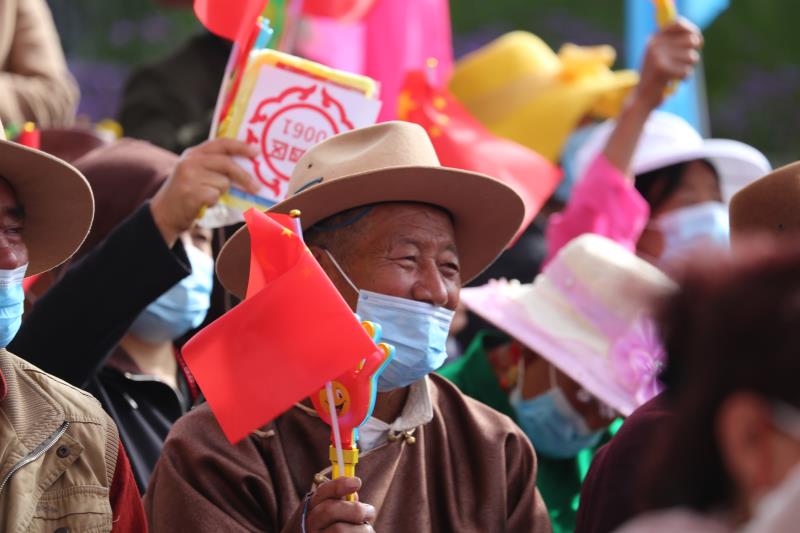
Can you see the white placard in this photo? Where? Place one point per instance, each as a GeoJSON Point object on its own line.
{"type": "Point", "coordinates": [287, 114]}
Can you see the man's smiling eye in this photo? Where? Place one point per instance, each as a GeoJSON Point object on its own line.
{"type": "Point", "coordinates": [452, 267]}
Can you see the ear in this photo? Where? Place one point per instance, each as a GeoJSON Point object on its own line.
{"type": "Point", "coordinates": [743, 431]}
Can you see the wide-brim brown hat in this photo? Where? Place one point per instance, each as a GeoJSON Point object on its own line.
{"type": "Point", "coordinates": [390, 162]}
{"type": "Point", "coordinates": [57, 200]}
{"type": "Point", "coordinates": [69, 144]}
{"type": "Point", "coordinates": [768, 206]}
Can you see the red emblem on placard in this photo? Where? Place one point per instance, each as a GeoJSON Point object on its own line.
{"type": "Point", "coordinates": [286, 126]}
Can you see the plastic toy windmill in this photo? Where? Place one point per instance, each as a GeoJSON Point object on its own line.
{"type": "Point", "coordinates": [346, 403]}
{"type": "Point", "coordinates": [666, 14]}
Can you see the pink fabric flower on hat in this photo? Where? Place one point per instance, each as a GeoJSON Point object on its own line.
{"type": "Point", "coordinates": [637, 358]}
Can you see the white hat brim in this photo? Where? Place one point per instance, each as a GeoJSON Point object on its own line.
{"type": "Point", "coordinates": [737, 164]}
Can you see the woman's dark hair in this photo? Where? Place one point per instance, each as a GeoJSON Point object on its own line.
{"type": "Point", "coordinates": [659, 184]}
{"type": "Point", "coordinates": [730, 327]}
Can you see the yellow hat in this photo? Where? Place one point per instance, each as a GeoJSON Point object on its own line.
{"type": "Point", "coordinates": [520, 89]}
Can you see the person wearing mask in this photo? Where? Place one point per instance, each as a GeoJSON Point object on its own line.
{"type": "Point", "coordinates": [732, 447]}
{"type": "Point", "coordinates": [63, 465]}
{"type": "Point", "coordinates": [581, 352]}
{"type": "Point", "coordinates": [648, 180]}
{"type": "Point", "coordinates": [142, 280]}
{"type": "Point", "coordinates": [765, 209]}
{"type": "Point", "coordinates": [34, 80]}
{"type": "Point", "coordinates": [397, 234]}
{"type": "Point", "coordinates": [517, 81]}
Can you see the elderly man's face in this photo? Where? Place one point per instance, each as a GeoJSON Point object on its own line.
{"type": "Point", "coordinates": [13, 252]}
{"type": "Point", "coordinates": [406, 250]}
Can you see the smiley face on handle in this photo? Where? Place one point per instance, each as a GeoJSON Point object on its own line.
{"type": "Point", "coordinates": [355, 391]}
{"type": "Point", "coordinates": [341, 399]}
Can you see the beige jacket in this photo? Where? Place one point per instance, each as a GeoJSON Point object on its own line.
{"type": "Point", "coordinates": [35, 84]}
{"type": "Point", "coordinates": [58, 452]}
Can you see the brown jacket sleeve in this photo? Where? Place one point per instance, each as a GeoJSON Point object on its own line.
{"type": "Point", "coordinates": [201, 484]}
{"type": "Point", "coordinates": [526, 508]}
{"type": "Point", "coordinates": [34, 80]}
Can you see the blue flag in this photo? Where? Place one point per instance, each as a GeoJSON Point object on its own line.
{"type": "Point", "coordinates": [689, 101]}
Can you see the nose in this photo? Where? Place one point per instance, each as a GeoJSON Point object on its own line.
{"type": "Point", "coordinates": [11, 257]}
{"type": "Point", "coordinates": [430, 287]}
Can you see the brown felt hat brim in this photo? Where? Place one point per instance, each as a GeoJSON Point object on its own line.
{"type": "Point", "coordinates": [486, 213]}
{"type": "Point", "coordinates": [57, 200]}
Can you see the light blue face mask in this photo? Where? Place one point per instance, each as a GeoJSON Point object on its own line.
{"type": "Point", "coordinates": [555, 428]}
{"type": "Point", "coordinates": [12, 303]}
{"type": "Point", "coordinates": [694, 229]}
{"type": "Point", "coordinates": [417, 330]}
{"type": "Point", "coordinates": [181, 308]}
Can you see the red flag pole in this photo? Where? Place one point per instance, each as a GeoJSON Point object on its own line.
{"type": "Point", "coordinates": [337, 436]}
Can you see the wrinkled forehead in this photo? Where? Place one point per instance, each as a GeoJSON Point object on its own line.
{"type": "Point", "coordinates": [397, 223]}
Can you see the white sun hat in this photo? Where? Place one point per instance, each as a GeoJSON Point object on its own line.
{"type": "Point", "coordinates": [668, 139]}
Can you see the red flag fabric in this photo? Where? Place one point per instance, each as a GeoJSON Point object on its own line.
{"type": "Point", "coordinates": [291, 334]}
{"type": "Point", "coordinates": [462, 142]}
{"type": "Point", "coordinates": [230, 19]}
{"type": "Point", "coordinates": [30, 136]}
{"type": "Point", "coordinates": [341, 10]}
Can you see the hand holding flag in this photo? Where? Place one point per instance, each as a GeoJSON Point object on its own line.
{"type": "Point", "coordinates": [291, 334]}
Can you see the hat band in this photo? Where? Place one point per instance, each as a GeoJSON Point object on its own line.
{"type": "Point", "coordinates": [583, 300]}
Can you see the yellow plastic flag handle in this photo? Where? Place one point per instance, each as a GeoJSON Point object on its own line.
{"type": "Point", "coordinates": [666, 14]}
{"type": "Point", "coordinates": [350, 462]}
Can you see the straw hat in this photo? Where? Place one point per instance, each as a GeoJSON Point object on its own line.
{"type": "Point", "coordinates": [57, 200]}
{"type": "Point", "coordinates": [520, 89]}
{"type": "Point", "coordinates": [588, 313]}
{"type": "Point", "coordinates": [770, 205]}
{"type": "Point", "coordinates": [390, 162]}
{"type": "Point", "coordinates": [668, 139]}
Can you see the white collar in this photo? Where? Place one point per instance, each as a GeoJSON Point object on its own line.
{"type": "Point", "coordinates": [417, 411]}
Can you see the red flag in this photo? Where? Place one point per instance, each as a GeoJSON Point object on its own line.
{"type": "Point", "coordinates": [462, 142]}
{"type": "Point", "coordinates": [341, 10]}
{"type": "Point", "coordinates": [231, 19]}
{"type": "Point", "coordinates": [291, 334]}
{"type": "Point", "coordinates": [30, 136]}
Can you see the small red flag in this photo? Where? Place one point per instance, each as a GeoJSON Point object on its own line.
{"type": "Point", "coordinates": [30, 136]}
{"type": "Point", "coordinates": [291, 334]}
{"type": "Point", "coordinates": [462, 142]}
{"type": "Point", "coordinates": [231, 19]}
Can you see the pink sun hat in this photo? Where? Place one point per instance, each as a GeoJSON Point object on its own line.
{"type": "Point", "coordinates": [589, 313]}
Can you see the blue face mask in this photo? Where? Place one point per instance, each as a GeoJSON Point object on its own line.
{"type": "Point", "coordinates": [181, 308]}
{"type": "Point", "coordinates": [12, 303]}
{"type": "Point", "coordinates": [693, 229]}
{"type": "Point", "coordinates": [417, 330]}
{"type": "Point", "coordinates": [554, 427]}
